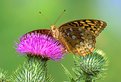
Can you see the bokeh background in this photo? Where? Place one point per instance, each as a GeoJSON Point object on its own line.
{"type": "Point", "coordinates": [20, 16]}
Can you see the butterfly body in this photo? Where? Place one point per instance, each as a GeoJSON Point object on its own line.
{"type": "Point", "coordinates": [79, 36]}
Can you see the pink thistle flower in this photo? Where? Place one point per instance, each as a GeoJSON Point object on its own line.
{"type": "Point", "coordinates": [40, 43]}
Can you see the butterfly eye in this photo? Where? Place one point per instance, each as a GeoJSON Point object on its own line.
{"type": "Point", "coordinates": [53, 27]}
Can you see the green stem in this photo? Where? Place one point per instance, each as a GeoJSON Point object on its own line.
{"type": "Point", "coordinates": [89, 80]}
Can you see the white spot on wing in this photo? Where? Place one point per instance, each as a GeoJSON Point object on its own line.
{"type": "Point", "coordinates": [82, 34]}
{"type": "Point", "coordinates": [81, 43]}
{"type": "Point", "coordinates": [89, 46]}
{"type": "Point", "coordinates": [71, 29]}
{"type": "Point", "coordinates": [68, 34]}
{"type": "Point", "coordinates": [80, 29]}
{"type": "Point", "coordinates": [73, 37]}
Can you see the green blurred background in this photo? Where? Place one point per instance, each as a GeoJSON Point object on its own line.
{"type": "Point", "coordinates": [20, 16]}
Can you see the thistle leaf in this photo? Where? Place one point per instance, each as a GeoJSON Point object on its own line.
{"type": "Point", "coordinates": [68, 74]}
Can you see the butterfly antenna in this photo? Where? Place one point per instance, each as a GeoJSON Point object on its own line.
{"type": "Point", "coordinates": [45, 17]}
{"type": "Point", "coordinates": [59, 16]}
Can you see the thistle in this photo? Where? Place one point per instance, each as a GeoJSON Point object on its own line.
{"type": "Point", "coordinates": [39, 46]}
{"type": "Point", "coordinates": [89, 68]}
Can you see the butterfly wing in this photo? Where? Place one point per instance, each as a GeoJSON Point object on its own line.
{"type": "Point", "coordinates": [79, 36]}
{"type": "Point", "coordinates": [93, 26]}
{"type": "Point", "coordinates": [41, 31]}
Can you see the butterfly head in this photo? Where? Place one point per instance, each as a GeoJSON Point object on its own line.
{"type": "Point", "coordinates": [54, 31]}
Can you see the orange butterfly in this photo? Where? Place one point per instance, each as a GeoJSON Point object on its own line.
{"type": "Point", "coordinates": [79, 36]}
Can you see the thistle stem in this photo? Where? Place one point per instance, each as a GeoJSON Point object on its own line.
{"type": "Point", "coordinates": [89, 80]}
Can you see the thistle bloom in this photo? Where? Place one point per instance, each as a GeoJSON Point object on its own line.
{"type": "Point", "coordinates": [40, 43]}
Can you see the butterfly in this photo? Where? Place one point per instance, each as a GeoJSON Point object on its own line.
{"type": "Point", "coordinates": [79, 36]}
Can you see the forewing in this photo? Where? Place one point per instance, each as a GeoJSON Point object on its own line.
{"type": "Point", "coordinates": [92, 25]}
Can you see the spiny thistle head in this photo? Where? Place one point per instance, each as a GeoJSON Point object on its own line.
{"type": "Point", "coordinates": [92, 65]}
{"type": "Point", "coordinates": [33, 70]}
{"type": "Point", "coordinates": [40, 43]}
